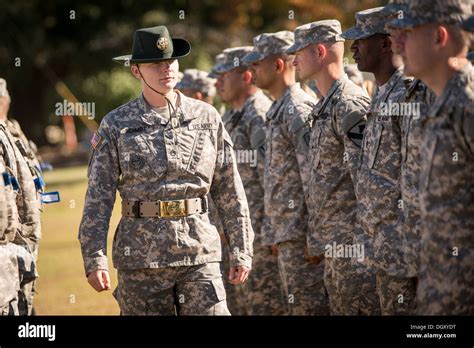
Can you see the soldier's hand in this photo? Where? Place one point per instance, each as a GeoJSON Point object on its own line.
{"type": "Point", "coordinates": [238, 275]}
{"type": "Point", "coordinates": [99, 280]}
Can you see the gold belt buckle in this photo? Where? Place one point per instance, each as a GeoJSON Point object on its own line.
{"type": "Point", "coordinates": [172, 209]}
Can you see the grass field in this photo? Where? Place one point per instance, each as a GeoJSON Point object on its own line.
{"type": "Point", "coordinates": [62, 286]}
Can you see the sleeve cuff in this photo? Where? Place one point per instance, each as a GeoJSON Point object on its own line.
{"type": "Point", "coordinates": [96, 263]}
{"type": "Point", "coordinates": [241, 260]}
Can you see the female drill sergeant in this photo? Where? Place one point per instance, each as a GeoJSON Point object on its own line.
{"type": "Point", "coordinates": [164, 153]}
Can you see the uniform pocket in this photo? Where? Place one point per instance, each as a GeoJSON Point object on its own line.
{"type": "Point", "coordinates": [315, 143]}
{"type": "Point", "coordinates": [429, 159]}
{"type": "Point", "coordinates": [142, 154]}
{"type": "Point", "coordinates": [374, 147]}
{"type": "Point", "coordinates": [219, 289]}
{"type": "Point", "coordinates": [203, 158]}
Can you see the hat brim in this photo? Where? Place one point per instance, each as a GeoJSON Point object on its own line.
{"type": "Point", "coordinates": [252, 57]}
{"type": "Point", "coordinates": [355, 33]}
{"type": "Point", "coordinates": [213, 75]}
{"type": "Point", "coordinates": [181, 48]}
{"type": "Point", "coordinates": [295, 48]}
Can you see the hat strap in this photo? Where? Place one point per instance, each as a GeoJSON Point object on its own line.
{"type": "Point", "coordinates": [169, 103]}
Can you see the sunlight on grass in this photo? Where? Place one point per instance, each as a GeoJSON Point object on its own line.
{"type": "Point", "coordinates": [62, 286]}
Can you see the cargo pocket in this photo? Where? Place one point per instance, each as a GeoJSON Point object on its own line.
{"type": "Point", "coordinates": [220, 307]}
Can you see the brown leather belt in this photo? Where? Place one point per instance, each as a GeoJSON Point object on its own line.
{"type": "Point", "coordinates": [164, 209]}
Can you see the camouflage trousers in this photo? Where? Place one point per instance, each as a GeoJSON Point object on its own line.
{"type": "Point", "coordinates": [302, 281]}
{"type": "Point", "coordinates": [350, 288]}
{"type": "Point", "coordinates": [9, 281]}
{"type": "Point", "coordinates": [397, 295]}
{"type": "Point", "coordinates": [238, 296]}
{"type": "Point", "coordinates": [183, 290]}
{"type": "Point", "coordinates": [266, 292]}
{"type": "Point", "coordinates": [27, 275]}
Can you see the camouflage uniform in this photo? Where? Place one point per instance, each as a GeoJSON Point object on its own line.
{"type": "Point", "coordinates": [378, 190]}
{"type": "Point", "coordinates": [412, 131]}
{"type": "Point", "coordinates": [446, 276]}
{"type": "Point", "coordinates": [286, 186]}
{"type": "Point", "coordinates": [29, 152]}
{"type": "Point", "coordinates": [26, 211]}
{"type": "Point", "coordinates": [149, 157]}
{"type": "Point", "coordinates": [338, 123]}
{"type": "Point", "coordinates": [246, 128]}
{"type": "Point", "coordinates": [9, 279]}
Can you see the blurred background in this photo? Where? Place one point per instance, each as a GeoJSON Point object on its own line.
{"type": "Point", "coordinates": [54, 52]}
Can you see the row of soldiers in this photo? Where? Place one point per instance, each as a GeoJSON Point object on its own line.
{"type": "Point", "coordinates": [20, 208]}
{"type": "Point", "coordinates": [361, 204]}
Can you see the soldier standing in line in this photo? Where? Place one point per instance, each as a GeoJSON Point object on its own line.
{"type": "Point", "coordinates": [25, 231]}
{"type": "Point", "coordinates": [246, 126]}
{"type": "Point", "coordinates": [9, 272]}
{"type": "Point", "coordinates": [165, 153]}
{"type": "Point", "coordinates": [417, 100]}
{"type": "Point", "coordinates": [434, 50]}
{"type": "Point", "coordinates": [378, 190]}
{"type": "Point", "coordinates": [287, 173]}
{"type": "Point", "coordinates": [338, 123]}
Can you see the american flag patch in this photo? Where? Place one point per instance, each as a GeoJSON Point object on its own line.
{"type": "Point", "coordinates": [96, 139]}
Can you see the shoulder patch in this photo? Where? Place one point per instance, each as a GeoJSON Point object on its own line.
{"type": "Point", "coordinates": [96, 139]}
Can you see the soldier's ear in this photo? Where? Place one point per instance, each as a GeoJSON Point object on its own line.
{"type": "Point", "coordinates": [321, 51]}
{"type": "Point", "coordinates": [247, 77]}
{"type": "Point", "coordinates": [442, 35]}
{"type": "Point", "coordinates": [135, 72]}
{"type": "Point", "coordinates": [279, 65]}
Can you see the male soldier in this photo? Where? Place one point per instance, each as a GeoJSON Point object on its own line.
{"type": "Point", "coordinates": [246, 126]}
{"type": "Point", "coordinates": [162, 152]}
{"type": "Point", "coordinates": [198, 85]}
{"type": "Point", "coordinates": [377, 188]}
{"type": "Point", "coordinates": [339, 119]}
{"type": "Point", "coordinates": [434, 50]}
{"type": "Point", "coordinates": [25, 219]}
{"type": "Point", "coordinates": [287, 173]}
{"type": "Point", "coordinates": [416, 102]}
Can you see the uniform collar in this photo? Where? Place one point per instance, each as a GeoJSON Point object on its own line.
{"type": "Point", "coordinates": [458, 79]}
{"type": "Point", "coordinates": [278, 103]}
{"type": "Point", "coordinates": [332, 90]}
{"type": "Point", "coordinates": [388, 88]}
{"type": "Point", "coordinates": [185, 109]}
